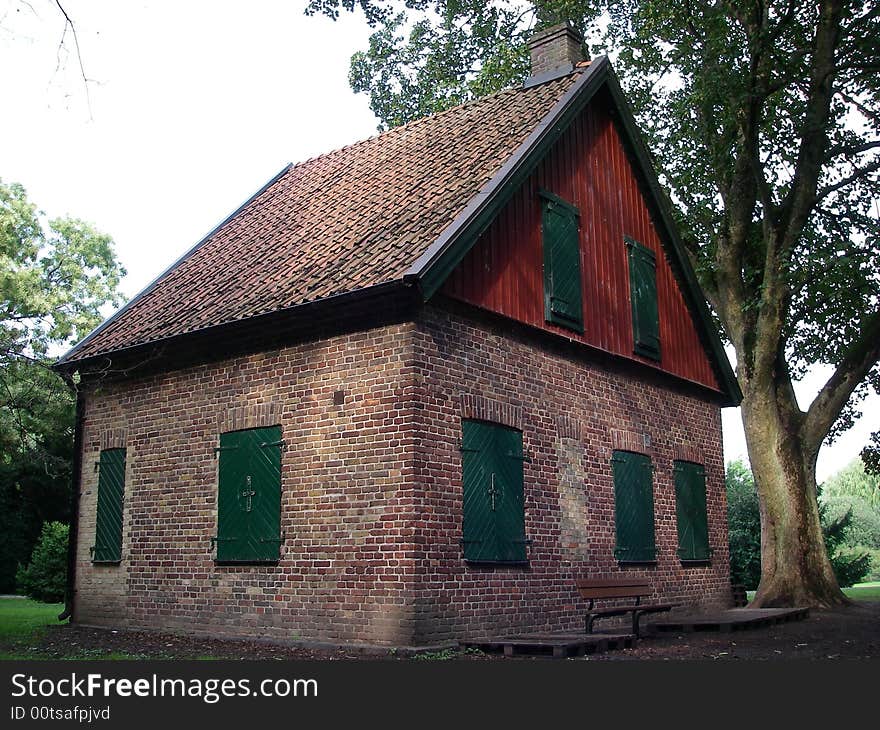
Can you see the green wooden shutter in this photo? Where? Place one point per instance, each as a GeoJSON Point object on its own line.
{"type": "Point", "coordinates": [510, 507]}
{"type": "Point", "coordinates": [562, 263]}
{"type": "Point", "coordinates": [249, 499]}
{"type": "Point", "coordinates": [108, 521]}
{"type": "Point", "coordinates": [493, 527]}
{"type": "Point", "coordinates": [643, 295]}
{"type": "Point", "coordinates": [690, 511]}
{"type": "Point", "coordinates": [633, 507]}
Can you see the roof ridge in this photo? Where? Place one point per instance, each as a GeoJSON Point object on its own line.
{"type": "Point", "coordinates": [429, 117]}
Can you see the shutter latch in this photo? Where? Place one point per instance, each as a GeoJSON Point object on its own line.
{"type": "Point", "coordinates": [282, 444]}
{"type": "Point", "coordinates": [494, 492]}
{"type": "Point", "coordinates": [218, 449]}
{"type": "Point", "coordinates": [215, 540]}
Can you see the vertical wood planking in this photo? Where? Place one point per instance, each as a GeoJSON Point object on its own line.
{"type": "Point", "coordinates": [503, 272]}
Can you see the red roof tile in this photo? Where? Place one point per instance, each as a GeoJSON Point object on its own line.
{"type": "Point", "coordinates": [348, 220]}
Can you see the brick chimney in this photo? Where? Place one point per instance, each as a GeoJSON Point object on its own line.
{"type": "Point", "coordinates": [555, 51]}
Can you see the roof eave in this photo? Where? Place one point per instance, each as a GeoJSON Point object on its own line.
{"type": "Point", "coordinates": [321, 318]}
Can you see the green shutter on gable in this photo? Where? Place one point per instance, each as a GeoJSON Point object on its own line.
{"type": "Point", "coordinates": [690, 511]}
{"type": "Point", "coordinates": [108, 520]}
{"type": "Point", "coordinates": [562, 263]}
{"type": "Point", "coordinates": [493, 529]}
{"type": "Point", "coordinates": [249, 498]}
{"type": "Point", "coordinates": [643, 296]}
{"type": "Point", "coordinates": [633, 507]}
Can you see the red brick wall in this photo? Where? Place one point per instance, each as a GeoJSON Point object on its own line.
{"type": "Point", "coordinates": [572, 414]}
{"type": "Point", "coordinates": [371, 488]}
{"type": "Point", "coordinates": [345, 571]}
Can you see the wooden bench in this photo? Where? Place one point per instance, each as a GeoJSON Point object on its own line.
{"type": "Point", "coordinates": [608, 588]}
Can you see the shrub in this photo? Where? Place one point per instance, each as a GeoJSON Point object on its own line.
{"type": "Point", "coordinates": [874, 572]}
{"type": "Point", "coordinates": [45, 578]}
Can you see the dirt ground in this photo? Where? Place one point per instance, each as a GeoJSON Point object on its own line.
{"type": "Point", "coordinates": [848, 633]}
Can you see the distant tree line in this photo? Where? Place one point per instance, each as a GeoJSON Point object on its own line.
{"type": "Point", "coordinates": [56, 276]}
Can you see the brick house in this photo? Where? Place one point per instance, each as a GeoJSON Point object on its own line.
{"type": "Point", "coordinates": [412, 389]}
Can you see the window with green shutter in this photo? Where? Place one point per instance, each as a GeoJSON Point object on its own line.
{"type": "Point", "coordinates": [108, 520]}
{"type": "Point", "coordinates": [643, 296]}
{"type": "Point", "coordinates": [562, 263]}
{"type": "Point", "coordinates": [633, 507]}
{"type": "Point", "coordinates": [690, 511]}
{"type": "Point", "coordinates": [494, 515]}
{"type": "Point", "coordinates": [249, 498]}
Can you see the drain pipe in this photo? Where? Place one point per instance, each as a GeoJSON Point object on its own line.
{"type": "Point", "coordinates": [76, 482]}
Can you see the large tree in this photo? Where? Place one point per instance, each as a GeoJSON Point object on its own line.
{"type": "Point", "coordinates": [764, 119]}
{"type": "Point", "coordinates": [55, 276]}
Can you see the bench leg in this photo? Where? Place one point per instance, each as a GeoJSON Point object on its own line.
{"type": "Point", "coordinates": [636, 615]}
{"type": "Point", "coordinates": [589, 623]}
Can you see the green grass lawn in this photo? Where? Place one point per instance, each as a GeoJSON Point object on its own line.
{"type": "Point", "coordinates": [859, 592]}
{"type": "Point", "coordinates": [22, 618]}
{"type": "Point", "coordinates": [864, 591]}
{"type": "Point", "coordinates": [21, 622]}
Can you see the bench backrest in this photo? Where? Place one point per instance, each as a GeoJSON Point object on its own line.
{"type": "Point", "coordinates": [613, 587]}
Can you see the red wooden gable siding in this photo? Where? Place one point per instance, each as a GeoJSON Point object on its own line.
{"type": "Point", "coordinates": [503, 273]}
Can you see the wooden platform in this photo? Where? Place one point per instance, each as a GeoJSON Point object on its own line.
{"type": "Point", "coordinates": [558, 646]}
{"type": "Point", "coordinates": [735, 619]}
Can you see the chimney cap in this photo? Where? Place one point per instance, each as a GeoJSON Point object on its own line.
{"type": "Point", "coordinates": [564, 28]}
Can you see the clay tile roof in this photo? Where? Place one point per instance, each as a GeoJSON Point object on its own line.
{"type": "Point", "coordinates": [351, 219]}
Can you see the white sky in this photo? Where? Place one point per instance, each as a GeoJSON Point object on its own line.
{"type": "Point", "coordinates": [194, 106]}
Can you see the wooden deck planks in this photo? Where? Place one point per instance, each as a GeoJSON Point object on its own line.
{"type": "Point", "coordinates": [737, 619]}
{"type": "Point", "coordinates": [555, 645]}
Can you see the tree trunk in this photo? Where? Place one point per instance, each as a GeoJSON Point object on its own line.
{"type": "Point", "coordinates": [795, 569]}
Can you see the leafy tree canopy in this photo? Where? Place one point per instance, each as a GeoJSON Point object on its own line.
{"type": "Point", "coordinates": [54, 278]}
{"type": "Point", "coordinates": [871, 455]}
{"type": "Point", "coordinates": [854, 481]}
{"type": "Point", "coordinates": [427, 56]}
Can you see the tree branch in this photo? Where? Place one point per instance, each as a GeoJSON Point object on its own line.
{"type": "Point", "coordinates": [800, 200]}
{"type": "Point", "coordinates": [852, 149]}
{"type": "Point", "coordinates": [801, 197]}
{"type": "Point", "coordinates": [857, 362]}
{"type": "Point", "coordinates": [69, 23]}
{"type": "Point", "coordinates": [848, 180]}
{"type": "Point", "coordinates": [862, 109]}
